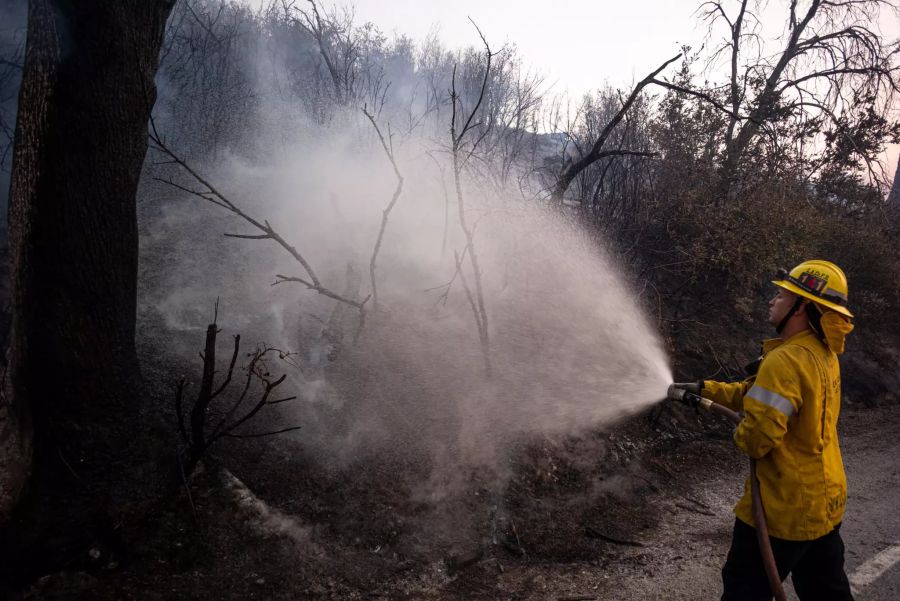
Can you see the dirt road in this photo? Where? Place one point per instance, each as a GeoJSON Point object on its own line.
{"type": "Point", "coordinates": [872, 525]}
{"type": "Point", "coordinates": [683, 557]}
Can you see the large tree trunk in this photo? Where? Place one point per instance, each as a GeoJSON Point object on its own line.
{"type": "Point", "coordinates": [80, 143]}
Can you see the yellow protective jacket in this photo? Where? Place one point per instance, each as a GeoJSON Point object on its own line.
{"type": "Point", "coordinates": [790, 411]}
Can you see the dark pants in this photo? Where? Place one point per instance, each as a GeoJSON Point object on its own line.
{"type": "Point", "coordinates": [816, 567]}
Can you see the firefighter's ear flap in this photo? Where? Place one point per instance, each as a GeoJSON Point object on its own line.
{"type": "Point", "coordinates": [835, 328]}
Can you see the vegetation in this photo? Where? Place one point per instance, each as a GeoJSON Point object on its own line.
{"type": "Point", "coordinates": [703, 186]}
{"type": "Point", "coordinates": [701, 179]}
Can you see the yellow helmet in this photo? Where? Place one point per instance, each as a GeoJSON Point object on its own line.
{"type": "Point", "coordinates": [822, 282]}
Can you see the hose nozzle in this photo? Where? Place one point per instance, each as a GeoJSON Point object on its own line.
{"type": "Point", "coordinates": [675, 393]}
{"type": "Point", "coordinates": [691, 399]}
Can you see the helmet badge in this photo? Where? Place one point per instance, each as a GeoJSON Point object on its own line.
{"type": "Point", "coordinates": [812, 282]}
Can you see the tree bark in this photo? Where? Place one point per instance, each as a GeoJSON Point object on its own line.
{"type": "Point", "coordinates": [81, 138]}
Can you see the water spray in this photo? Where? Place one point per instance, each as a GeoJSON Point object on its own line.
{"type": "Point", "coordinates": [759, 513]}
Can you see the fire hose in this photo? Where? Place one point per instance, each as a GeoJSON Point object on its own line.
{"type": "Point", "coordinates": [759, 512]}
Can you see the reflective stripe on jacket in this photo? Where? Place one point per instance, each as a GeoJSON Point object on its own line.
{"type": "Point", "coordinates": [791, 410]}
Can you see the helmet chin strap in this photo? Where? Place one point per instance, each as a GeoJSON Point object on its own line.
{"type": "Point", "coordinates": [788, 315]}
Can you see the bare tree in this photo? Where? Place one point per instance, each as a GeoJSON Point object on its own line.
{"type": "Point", "coordinates": [338, 58]}
{"type": "Point", "coordinates": [461, 125]}
{"type": "Point", "coordinates": [388, 147]}
{"type": "Point", "coordinates": [831, 62]}
{"type": "Point", "coordinates": [738, 33]}
{"type": "Point", "coordinates": [206, 57]}
{"type": "Point", "coordinates": [510, 108]}
{"type": "Point", "coordinates": [601, 185]}
{"type": "Point", "coordinates": [571, 169]}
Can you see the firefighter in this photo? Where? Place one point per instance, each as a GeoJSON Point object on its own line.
{"type": "Point", "coordinates": [790, 411]}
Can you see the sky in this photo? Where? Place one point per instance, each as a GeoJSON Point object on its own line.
{"type": "Point", "coordinates": [577, 45]}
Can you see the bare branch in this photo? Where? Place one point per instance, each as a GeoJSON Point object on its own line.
{"type": "Point", "coordinates": [249, 236]}
{"type": "Point", "coordinates": [699, 94]}
{"type": "Point", "coordinates": [262, 434]}
{"type": "Point", "coordinates": [234, 356]}
{"type": "Point", "coordinates": [211, 194]}
{"type": "Point", "coordinates": [385, 214]}
{"type": "Point", "coordinates": [284, 400]}
{"type": "Point", "coordinates": [484, 82]}
{"type": "Point", "coordinates": [478, 304]}
{"type": "Point", "coordinates": [226, 203]}
{"type": "Point", "coordinates": [840, 126]}
{"type": "Point", "coordinates": [571, 169]}
{"type": "Point", "coordinates": [323, 291]}
{"type": "Point", "coordinates": [269, 387]}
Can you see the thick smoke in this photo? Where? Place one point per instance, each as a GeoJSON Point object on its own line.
{"type": "Point", "coordinates": [569, 346]}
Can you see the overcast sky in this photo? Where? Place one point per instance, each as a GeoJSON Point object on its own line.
{"type": "Point", "coordinates": [577, 45]}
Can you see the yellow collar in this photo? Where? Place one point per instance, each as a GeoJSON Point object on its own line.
{"type": "Point", "coordinates": [773, 343]}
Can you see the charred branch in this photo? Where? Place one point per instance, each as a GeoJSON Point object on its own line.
{"type": "Point", "coordinates": [593, 533]}
{"type": "Point", "coordinates": [705, 96]}
{"type": "Point", "coordinates": [386, 213]}
{"type": "Point", "coordinates": [211, 194]}
{"type": "Point", "coordinates": [457, 137]}
{"type": "Point", "coordinates": [360, 305]}
{"type": "Point", "coordinates": [571, 169]}
{"type": "Point", "coordinates": [194, 422]}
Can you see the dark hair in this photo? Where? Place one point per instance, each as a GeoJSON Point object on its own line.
{"type": "Point", "coordinates": [814, 315]}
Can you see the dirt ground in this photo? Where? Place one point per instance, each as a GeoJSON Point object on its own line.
{"type": "Point", "coordinates": [643, 512]}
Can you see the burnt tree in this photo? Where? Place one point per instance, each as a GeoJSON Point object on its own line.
{"type": "Point", "coordinates": [80, 142]}
{"type": "Point", "coordinates": [832, 67]}
{"type": "Point", "coordinates": [571, 168]}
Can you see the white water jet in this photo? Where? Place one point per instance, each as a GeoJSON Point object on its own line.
{"type": "Point", "coordinates": [571, 347]}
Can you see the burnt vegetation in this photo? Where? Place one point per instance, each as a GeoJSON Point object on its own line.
{"type": "Point", "coordinates": [700, 180]}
